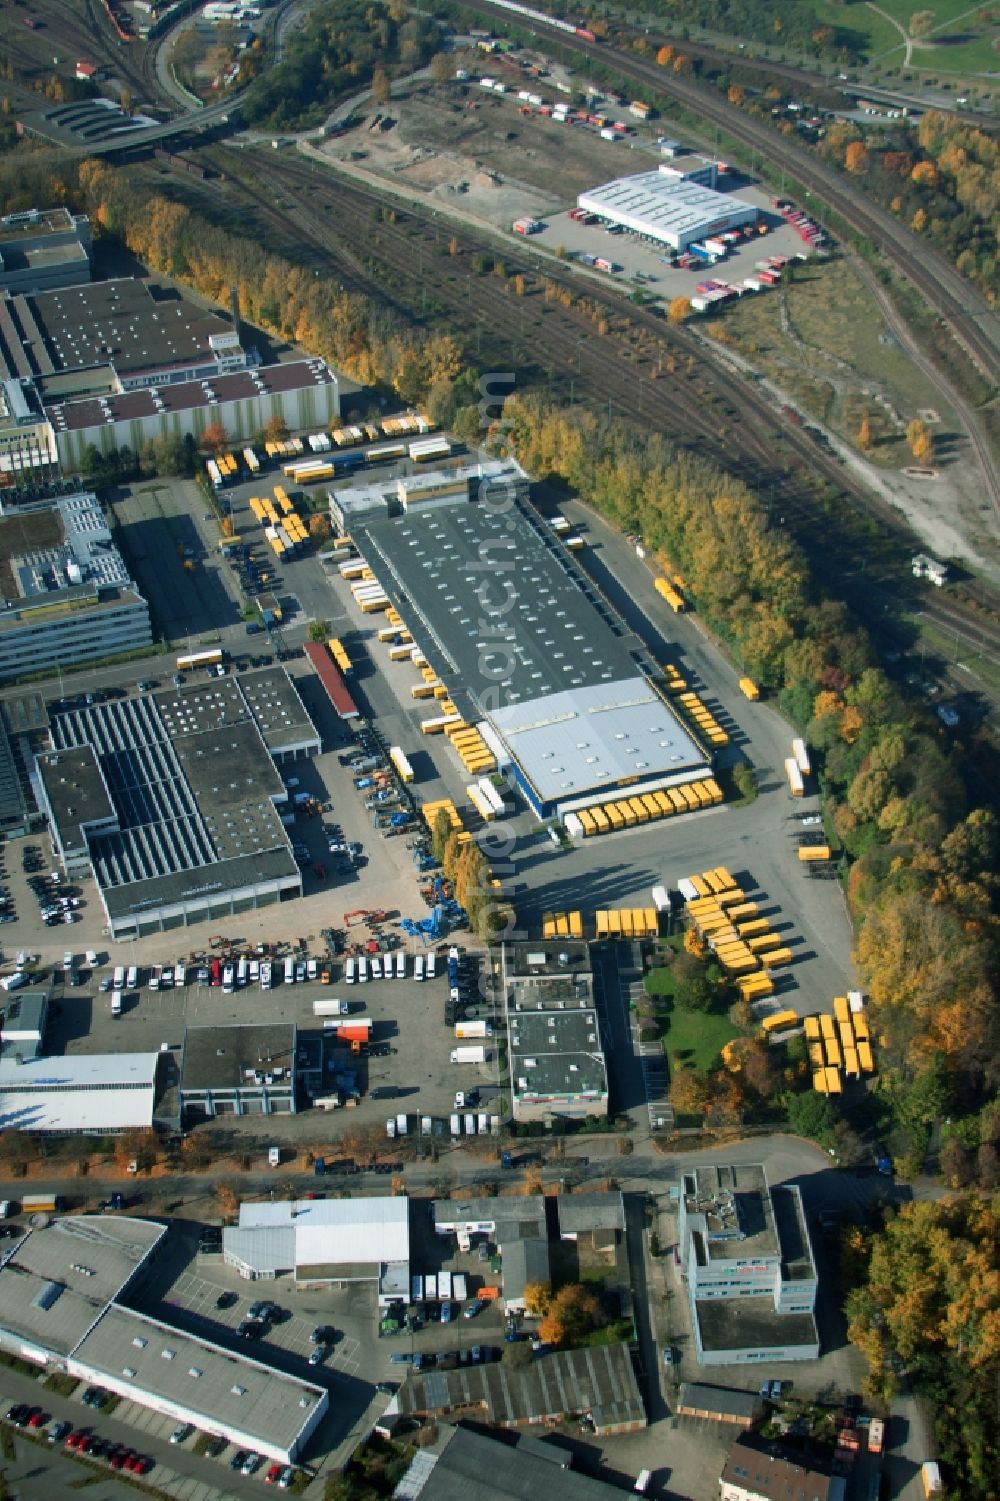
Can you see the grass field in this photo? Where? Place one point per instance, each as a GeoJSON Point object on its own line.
{"type": "Point", "coordinates": [959, 42]}
{"type": "Point", "coordinates": [827, 353]}
{"type": "Point", "coordinates": [695, 1038]}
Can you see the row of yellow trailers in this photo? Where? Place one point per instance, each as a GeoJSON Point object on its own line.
{"type": "Point", "coordinates": [625, 812]}
{"type": "Point", "coordinates": [703, 719]}
{"type": "Point", "coordinates": [338, 652]}
{"type": "Point", "coordinates": [841, 1042]}
{"type": "Point", "coordinates": [741, 939]}
{"type": "Point", "coordinates": [562, 924]}
{"type": "Point", "coordinates": [666, 590]}
{"type": "Point", "coordinates": [627, 922]}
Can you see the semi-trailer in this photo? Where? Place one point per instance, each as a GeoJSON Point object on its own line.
{"type": "Point", "coordinates": [468, 1055]}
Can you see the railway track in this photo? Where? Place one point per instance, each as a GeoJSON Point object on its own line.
{"type": "Point", "coordinates": [970, 321]}
{"type": "Point", "coordinates": [697, 406]}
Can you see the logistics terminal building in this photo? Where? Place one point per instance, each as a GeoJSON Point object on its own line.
{"type": "Point", "coordinates": [673, 212]}
{"type": "Point", "coordinates": [172, 799]}
{"type": "Point", "coordinates": [529, 650]}
{"type": "Point", "coordinates": [62, 1291]}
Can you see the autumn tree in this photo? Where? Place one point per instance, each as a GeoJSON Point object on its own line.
{"type": "Point", "coordinates": [666, 55]}
{"type": "Point", "coordinates": [135, 1146]}
{"type": "Point", "coordinates": [537, 1299]}
{"type": "Point", "coordinates": [689, 1091]}
{"type": "Point", "coordinates": [215, 438]}
{"type": "Point", "coordinates": [319, 528]}
{"type": "Point", "coordinates": [573, 1312]}
{"type": "Point", "coordinates": [736, 94]}
{"type": "Point", "coordinates": [864, 439]}
{"type": "Point", "coordinates": [679, 310]}
{"type": "Point", "coordinates": [275, 429]}
{"type": "Point", "coordinates": [856, 157]}
{"type": "Point", "coordinates": [381, 87]}
{"type": "Point", "coordinates": [920, 441]}
{"type": "Point", "coordinates": [319, 630]}
{"type": "Point", "coordinates": [442, 67]}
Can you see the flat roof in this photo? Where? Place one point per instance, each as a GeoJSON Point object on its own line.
{"type": "Point", "coordinates": [509, 1217]}
{"type": "Point", "coordinates": [230, 1390]}
{"type": "Point", "coordinates": [525, 1260]}
{"type": "Point", "coordinates": [80, 1092]}
{"type": "Point", "coordinates": [59, 1279]}
{"type": "Point", "coordinates": [588, 740]}
{"type": "Point", "coordinates": [192, 786]}
{"type": "Point", "coordinates": [555, 956]}
{"type": "Point", "coordinates": [22, 1022]}
{"type": "Point", "coordinates": [222, 1057]}
{"type": "Point", "coordinates": [599, 1379]}
{"type": "Point", "coordinates": [133, 325]}
{"type": "Point", "coordinates": [554, 1054]}
{"type": "Point", "coordinates": [332, 679]}
{"type": "Point", "coordinates": [331, 1232]}
{"type": "Point", "coordinates": [277, 708]}
{"type": "Point", "coordinates": [189, 395]}
{"type": "Point", "coordinates": [485, 588]}
{"type": "Point", "coordinates": [579, 1213]}
{"type": "Point", "coordinates": [666, 206]}
{"type": "Point", "coordinates": [698, 1397]}
{"type": "Point", "coordinates": [13, 807]}
{"type": "Point", "coordinates": [475, 1467]}
{"type": "Point", "coordinates": [751, 1323]}
{"type": "Point", "coordinates": [730, 1212]}
{"type": "Point", "coordinates": [33, 222]}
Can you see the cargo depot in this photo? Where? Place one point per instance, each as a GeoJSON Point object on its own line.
{"type": "Point", "coordinates": [529, 657]}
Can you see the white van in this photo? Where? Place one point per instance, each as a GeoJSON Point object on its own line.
{"type": "Point", "coordinates": [312, 969]}
{"type": "Point", "coordinates": [254, 971]}
{"type": "Point", "coordinates": [131, 978]}
{"type": "Point", "coordinates": [180, 976]}
{"type": "Point", "coordinates": [5, 1209]}
{"type": "Point", "coordinates": [265, 976]}
{"type": "Point", "coordinates": [376, 967]}
{"type": "Point", "coordinates": [362, 970]}
{"type": "Point", "coordinates": [418, 967]}
{"type": "Point", "coordinates": [154, 977]}
{"type": "Point", "coordinates": [118, 983]}
{"type": "Point", "coordinates": [431, 963]}
{"type": "Point", "coordinates": [242, 969]}
{"type": "Point", "coordinates": [289, 971]}
{"type": "Point", "coordinates": [349, 971]}
{"type": "Point", "coordinates": [401, 965]}
{"type": "Point", "coordinates": [14, 981]}
{"type": "Point", "coordinates": [228, 980]}
{"type": "Point", "coordinates": [116, 1003]}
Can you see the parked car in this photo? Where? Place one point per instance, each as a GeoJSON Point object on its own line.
{"type": "Point", "coordinates": [238, 1460]}
{"type": "Point", "coordinates": [181, 1432]}
{"type": "Point", "coordinates": [226, 1300]}
{"type": "Point", "coordinates": [59, 1430]}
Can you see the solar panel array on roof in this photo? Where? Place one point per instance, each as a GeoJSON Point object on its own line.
{"type": "Point", "coordinates": [161, 828]}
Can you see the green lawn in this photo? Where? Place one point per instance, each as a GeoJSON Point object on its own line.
{"type": "Point", "coordinates": [695, 1038]}
{"type": "Point", "coordinates": [952, 18]}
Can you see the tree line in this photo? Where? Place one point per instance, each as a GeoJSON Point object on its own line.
{"type": "Point", "coordinates": [921, 864]}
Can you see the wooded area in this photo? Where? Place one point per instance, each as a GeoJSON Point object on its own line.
{"type": "Point", "coordinates": [923, 1296]}
{"type": "Point", "coordinates": [940, 176]}
{"type": "Point", "coordinates": [334, 53]}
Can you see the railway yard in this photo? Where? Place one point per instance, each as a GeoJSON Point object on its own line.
{"type": "Point", "coordinates": [232, 828]}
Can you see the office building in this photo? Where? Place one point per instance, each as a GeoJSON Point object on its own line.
{"type": "Point", "coordinates": [557, 1064]}
{"type": "Point", "coordinates": [248, 1069]}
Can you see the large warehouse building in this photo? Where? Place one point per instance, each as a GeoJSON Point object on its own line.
{"type": "Point", "coordinates": [527, 648]}
{"type": "Point", "coordinates": [117, 363]}
{"type": "Point", "coordinates": [172, 799]}
{"type": "Point", "coordinates": [674, 212]}
{"type": "Point", "coordinates": [60, 1292]}
{"type": "Point", "coordinates": [334, 1241]}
